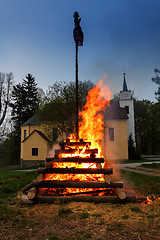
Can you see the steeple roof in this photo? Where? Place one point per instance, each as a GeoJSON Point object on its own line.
{"type": "Point", "coordinates": [125, 89]}
{"type": "Point", "coordinates": [34, 120]}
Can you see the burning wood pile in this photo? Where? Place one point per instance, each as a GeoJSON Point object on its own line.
{"type": "Point", "coordinates": [77, 170]}
{"type": "Point", "coordinates": [74, 170]}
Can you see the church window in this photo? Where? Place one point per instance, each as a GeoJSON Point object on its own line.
{"type": "Point", "coordinates": [24, 134]}
{"type": "Point", "coordinates": [34, 151]}
{"type": "Point", "coordinates": [127, 109]}
{"type": "Point", "coordinates": [111, 134]}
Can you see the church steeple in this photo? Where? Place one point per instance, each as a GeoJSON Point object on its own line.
{"type": "Point", "coordinates": [126, 101]}
{"type": "Point", "coordinates": [125, 93]}
{"type": "Point", "coordinates": [125, 89]}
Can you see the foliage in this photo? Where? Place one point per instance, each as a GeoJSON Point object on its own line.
{"type": "Point", "coordinates": [156, 79]}
{"type": "Point", "coordinates": [147, 115]}
{"type": "Point", "coordinates": [58, 106]}
{"type": "Point", "coordinates": [131, 148]}
{"type": "Point", "coordinates": [25, 103]}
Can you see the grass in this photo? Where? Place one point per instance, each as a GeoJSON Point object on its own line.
{"type": "Point", "coordinates": [84, 215]}
{"type": "Point", "coordinates": [77, 221]}
{"type": "Point", "coordinates": [64, 211]}
{"type": "Point", "coordinates": [146, 184]}
{"type": "Point", "coordinates": [12, 181]}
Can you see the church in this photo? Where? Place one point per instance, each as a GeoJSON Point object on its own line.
{"type": "Point", "coordinates": [118, 126]}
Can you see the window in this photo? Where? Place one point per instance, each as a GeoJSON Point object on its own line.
{"type": "Point", "coordinates": [34, 151]}
{"type": "Point", "coordinates": [127, 109]}
{"type": "Point", "coordinates": [24, 134]}
{"type": "Point", "coordinates": [111, 134]}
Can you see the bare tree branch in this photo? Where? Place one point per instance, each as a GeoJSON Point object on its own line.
{"type": "Point", "coordinates": [6, 83]}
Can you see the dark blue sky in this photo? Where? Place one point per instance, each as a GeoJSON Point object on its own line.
{"type": "Point", "coordinates": [120, 35]}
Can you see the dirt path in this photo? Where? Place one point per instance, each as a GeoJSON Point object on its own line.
{"type": "Point", "coordinates": [136, 167]}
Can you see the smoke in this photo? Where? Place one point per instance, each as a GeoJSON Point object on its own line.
{"type": "Point", "coordinates": [52, 150]}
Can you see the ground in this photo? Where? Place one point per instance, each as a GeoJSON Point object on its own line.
{"type": "Point", "coordinates": [80, 221]}
{"type": "Point", "coordinates": [83, 221]}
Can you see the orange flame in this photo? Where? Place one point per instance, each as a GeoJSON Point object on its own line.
{"type": "Point", "coordinates": [150, 200]}
{"type": "Point", "coordinates": [90, 130]}
{"type": "Point", "coordinates": [91, 127]}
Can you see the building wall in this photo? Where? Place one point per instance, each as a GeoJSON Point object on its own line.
{"type": "Point", "coordinates": [130, 121]}
{"type": "Point", "coordinates": [116, 149]}
{"type": "Point", "coordinates": [34, 141]}
{"type": "Point", "coordinates": [29, 129]}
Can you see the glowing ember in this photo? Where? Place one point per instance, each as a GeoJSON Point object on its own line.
{"type": "Point", "coordinates": [150, 200]}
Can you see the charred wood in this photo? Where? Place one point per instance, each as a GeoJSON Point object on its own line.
{"type": "Point", "coordinates": [120, 193]}
{"type": "Point", "coordinates": [78, 184]}
{"type": "Point", "coordinates": [72, 151]}
{"type": "Point", "coordinates": [76, 170]}
{"type": "Point", "coordinates": [34, 183]}
{"type": "Point", "coordinates": [94, 199]}
{"type": "Point", "coordinates": [41, 176]}
{"type": "Point", "coordinates": [32, 193]}
{"type": "Point", "coordinates": [76, 159]}
{"type": "Point", "coordinates": [108, 191]}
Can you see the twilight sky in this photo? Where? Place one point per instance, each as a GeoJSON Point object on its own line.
{"type": "Point", "coordinates": [119, 36]}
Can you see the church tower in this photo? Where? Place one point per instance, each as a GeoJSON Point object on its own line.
{"type": "Point", "coordinates": [127, 102]}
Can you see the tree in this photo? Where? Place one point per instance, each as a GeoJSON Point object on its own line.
{"type": "Point", "coordinates": [147, 115]}
{"type": "Point", "coordinates": [25, 104]}
{"type": "Point", "coordinates": [59, 106]}
{"type": "Point", "coordinates": [6, 82]}
{"type": "Point", "coordinates": [156, 79]}
{"type": "Point", "coordinates": [25, 101]}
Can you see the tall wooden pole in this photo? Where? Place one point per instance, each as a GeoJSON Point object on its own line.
{"type": "Point", "coordinates": [78, 38]}
{"type": "Point", "coordinates": [77, 126]}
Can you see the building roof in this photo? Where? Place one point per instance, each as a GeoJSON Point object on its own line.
{"type": "Point", "coordinates": [40, 133]}
{"type": "Point", "coordinates": [125, 89]}
{"type": "Point", "coordinates": [34, 120]}
{"type": "Point", "coordinates": [115, 112]}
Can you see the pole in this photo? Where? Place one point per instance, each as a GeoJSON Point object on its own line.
{"type": "Point", "coordinates": [78, 38]}
{"type": "Point", "coordinates": [77, 127]}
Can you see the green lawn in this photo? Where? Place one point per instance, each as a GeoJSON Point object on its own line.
{"type": "Point", "coordinates": [12, 181]}
{"type": "Point", "coordinates": [144, 184]}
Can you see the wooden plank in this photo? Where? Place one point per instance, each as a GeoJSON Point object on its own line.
{"type": "Point", "coordinates": [76, 159]}
{"type": "Point", "coordinates": [75, 144]}
{"type": "Point", "coordinates": [72, 151]}
{"type": "Point", "coordinates": [94, 199]}
{"type": "Point", "coordinates": [108, 191]}
{"type": "Point", "coordinates": [76, 170]}
{"type": "Point", "coordinates": [78, 184]}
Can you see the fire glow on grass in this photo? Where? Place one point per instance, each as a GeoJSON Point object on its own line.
{"type": "Point", "coordinates": [91, 131]}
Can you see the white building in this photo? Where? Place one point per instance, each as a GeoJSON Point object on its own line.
{"type": "Point", "coordinates": [127, 102]}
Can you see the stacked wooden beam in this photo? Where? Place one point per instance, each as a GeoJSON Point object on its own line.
{"type": "Point", "coordinates": [34, 190]}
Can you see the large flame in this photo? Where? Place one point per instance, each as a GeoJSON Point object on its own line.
{"type": "Point", "coordinates": [91, 127]}
{"type": "Point", "coordinates": [91, 131]}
